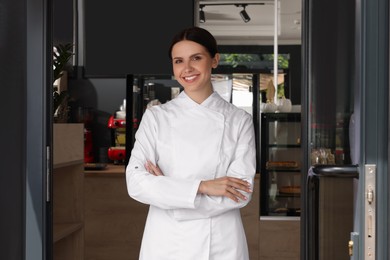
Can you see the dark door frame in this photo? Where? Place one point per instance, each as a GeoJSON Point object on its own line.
{"type": "Point", "coordinates": [372, 83]}
{"type": "Point", "coordinates": [25, 77]}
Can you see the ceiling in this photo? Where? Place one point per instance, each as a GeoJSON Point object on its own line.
{"type": "Point", "coordinates": [223, 20]}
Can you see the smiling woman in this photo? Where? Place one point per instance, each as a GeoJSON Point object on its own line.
{"type": "Point", "coordinates": [193, 163]}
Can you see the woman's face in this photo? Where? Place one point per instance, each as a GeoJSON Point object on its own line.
{"type": "Point", "coordinates": [192, 66]}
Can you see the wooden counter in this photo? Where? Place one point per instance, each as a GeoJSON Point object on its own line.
{"type": "Point", "coordinates": [114, 222]}
{"type": "Point", "coordinates": [112, 170]}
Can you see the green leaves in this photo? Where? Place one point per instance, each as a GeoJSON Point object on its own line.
{"type": "Point", "coordinates": [236, 59]}
{"type": "Point", "coordinates": [58, 98]}
{"type": "Point", "coordinates": [62, 55]}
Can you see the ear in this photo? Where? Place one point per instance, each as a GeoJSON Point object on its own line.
{"type": "Point", "coordinates": [215, 60]}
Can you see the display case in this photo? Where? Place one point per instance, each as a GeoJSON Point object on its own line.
{"type": "Point", "coordinates": [281, 162]}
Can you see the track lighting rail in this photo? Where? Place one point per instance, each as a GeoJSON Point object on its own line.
{"type": "Point", "coordinates": [205, 3]}
{"type": "Point", "coordinates": [244, 15]}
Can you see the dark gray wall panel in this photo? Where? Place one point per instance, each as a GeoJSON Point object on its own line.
{"type": "Point", "coordinates": [13, 105]}
{"type": "Point", "coordinates": [132, 37]}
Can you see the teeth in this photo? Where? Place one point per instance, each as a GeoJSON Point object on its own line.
{"type": "Point", "coordinates": [189, 78]}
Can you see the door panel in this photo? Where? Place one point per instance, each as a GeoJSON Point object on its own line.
{"type": "Point", "coordinates": [372, 75]}
{"type": "Point", "coordinates": [38, 131]}
{"type": "Point", "coordinates": [329, 70]}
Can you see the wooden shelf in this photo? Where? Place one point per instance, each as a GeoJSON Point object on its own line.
{"type": "Point", "coordinates": [68, 144]}
{"type": "Point", "coordinates": [68, 191]}
{"type": "Point", "coordinates": [68, 163]}
{"type": "Point", "coordinates": [62, 230]}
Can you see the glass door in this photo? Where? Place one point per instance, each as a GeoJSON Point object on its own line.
{"type": "Point", "coordinates": [345, 130]}
{"type": "Point", "coordinates": [329, 177]}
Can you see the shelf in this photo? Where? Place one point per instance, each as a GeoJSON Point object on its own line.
{"type": "Point", "coordinates": [62, 230]}
{"type": "Point", "coordinates": [284, 146]}
{"type": "Point", "coordinates": [68, 163]}
{"type": "Point", "coordinates": [280, 218]}
{"type": "Point", "coordinates": [288, 195]}
{"type": "Point", "coordinates": [283, 117]}
{"type": "Point", "coordinates": [68, 191]}
{"type": "Point", "coordinates": [281, 161]}
{"type": "Point", "coordinates": [293, 212]}
{"type": "Point", "coordinates": [284, 170]}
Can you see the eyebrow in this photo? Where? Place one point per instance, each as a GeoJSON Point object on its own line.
{"type": "Point", "coordinates": [193, 55]}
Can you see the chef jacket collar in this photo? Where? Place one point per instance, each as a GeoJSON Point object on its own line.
{"type": "Point", "coordinates": [188, 102]}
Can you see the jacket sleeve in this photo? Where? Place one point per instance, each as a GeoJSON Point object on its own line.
{"type": "Point", "coordinates": [242, 165]}
{"type": "Point", "coordinates": [161, 191]}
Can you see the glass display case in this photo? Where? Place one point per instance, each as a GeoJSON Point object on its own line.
{"type": "Point", "coordinates": [280, 164]}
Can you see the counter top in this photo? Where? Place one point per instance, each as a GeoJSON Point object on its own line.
{"type": "Point", "coordinates": [112, 170]}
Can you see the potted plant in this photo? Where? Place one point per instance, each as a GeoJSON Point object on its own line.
{"type": "Point", "coordinates": [61, 56]}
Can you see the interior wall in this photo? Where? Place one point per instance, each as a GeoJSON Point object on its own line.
{"type": "Point", "coordinates": [132, 36]}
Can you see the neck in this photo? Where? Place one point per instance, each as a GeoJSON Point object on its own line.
{"type": "Point", "coordinates": [199, 96]}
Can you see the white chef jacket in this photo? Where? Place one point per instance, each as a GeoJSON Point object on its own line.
{"type": "Point", "coordinates": [191, 142]}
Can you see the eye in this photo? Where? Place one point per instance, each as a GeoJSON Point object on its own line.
{"type": "Point", "coordinates": [177, 61]}
{"type": "Point", "coordinates": [197, 57]}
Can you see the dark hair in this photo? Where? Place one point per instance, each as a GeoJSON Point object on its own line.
{"type": "Point", "coordinates": [198, 35]}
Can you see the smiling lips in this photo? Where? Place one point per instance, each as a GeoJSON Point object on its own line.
{"type": "Point", "coordinates": [190, 78]}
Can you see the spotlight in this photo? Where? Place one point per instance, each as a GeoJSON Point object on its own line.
{"type": "Point", "coordinates": [244, 14]}
{"type": "Point", "coordinates": [202, 17]}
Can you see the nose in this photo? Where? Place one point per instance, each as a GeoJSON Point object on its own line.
{"type": "Point", "coordinates": [188, 67]}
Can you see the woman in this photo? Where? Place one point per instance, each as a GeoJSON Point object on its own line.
{"type": "Point", "coordinates": [193, 162]}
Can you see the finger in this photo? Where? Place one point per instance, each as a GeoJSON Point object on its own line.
{"type": "Point", "coordinates": [237, 194]}
{"type": "Point", "coordinates": [233, 194]}
{"type": "Point", "coordinates": [159, 173]}
{"type": "Point", "coordinates": [242, 185]}
{"type": "Point", "coordinates": [147, 167]}
{"type": "Point", "coordinates": [239, 181]}
{"type": "Point", "coordinates": [229, 194]}
{"type": "Point", "coordinates": [155, 169]}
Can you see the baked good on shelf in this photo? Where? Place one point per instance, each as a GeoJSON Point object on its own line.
{"type": "Point", "coordinates": [290, 189]}
{"type": "Point", "coordinates": [281, 164]}
{"type": "Point", "coordinates": [281, 210]}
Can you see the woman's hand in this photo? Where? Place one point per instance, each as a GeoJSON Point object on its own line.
{"type": "Point", "coordinates": [153, 169]}
{"type": "Point", "coordinates": [229, 187]}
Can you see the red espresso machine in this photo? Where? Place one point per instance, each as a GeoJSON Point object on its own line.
{"type": "Point", "coordinates": [85, 115]}
{"type": "Point", "coordinates": [117, 124]}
